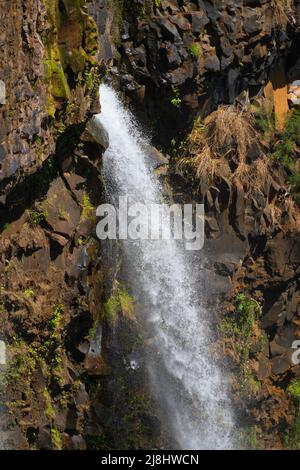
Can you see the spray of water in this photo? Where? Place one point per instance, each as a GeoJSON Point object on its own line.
{"type": "Point", "coordinates": [190, 388]}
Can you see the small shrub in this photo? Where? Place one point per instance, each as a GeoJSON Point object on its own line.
{"type": "Point", "coordinates": [239, 330]}
{"type": "Point", "coordinates": [219, 147]}
{"type": "Point", "coordinates": [54, 323]}
{"type": "Point", "coordinates": [38, 216]}
{"type": "Point", "coordinates": [111, 308]}
{"type": "Point", "coordinates": [126, 302]}
{"type": "Point", "coordinates": [241, 322]}
{"type": "Point", "coordinates": [92, 78]}
{"type": "Point", "coordinates": [119, 301]}
{"type": "Point", "coordinates": [286, 149]}
{"type": "Point", "coordinates": [92, 332]}
{"type": "Point", "coordinates": [265, 123]}
{"type": "Point", "coordinates": [176, 100]}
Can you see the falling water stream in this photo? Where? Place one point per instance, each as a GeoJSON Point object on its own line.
{"type": "Point", "coordinates": [189, 386]}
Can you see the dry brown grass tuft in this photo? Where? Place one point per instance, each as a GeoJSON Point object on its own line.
{"type": "Point", "coordinates": [283, 11]}
{"type": "Point", "coordinates": [220, 146]}
{"type": "Point", "coordinates": [229, 129]}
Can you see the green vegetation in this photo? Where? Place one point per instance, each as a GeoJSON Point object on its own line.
{"type": "Point", "coordinates": [38, 216]}
{"type": "Point", "coordinates": [240, 330]}
{"type": "Point", "coordinates": [88, 210]}
{"type": "Point", "coordinates": [242, 321]}
{"type": "Point", "coordinates": [126, 302]}
{"type": "Point", "coordinates": [175, 100]}
{"type": "Point", "coordinates": [265, 123]}
{"type": "Point", "coordinates": [4, 226]}
{"type": "Point", "coordinates": [59, 87]}
{"type": "Point", "coordinates": [284, 147]}
{"type": "Point", "coordinates": [92, 78]}
{"type": "Point", "coordinates": [56, 438]}
{"type": "Point", "coordinates": [55, 321]}
{"type": "Point", "coordinates": [63, 55]}
{"type": "Point", "coordinates": [92, 332]}
{"type": "Point", "coordinates": [287, 150]}
{"type": "Point", "coordinates": [119, 301]}
{"type": "Point", "coordinates": [49, 410]}
{"type": "Point", "coordinates": [194, 51]}
{"type": "Point", "coordinates": [294, 390]}
{"type": "Point", "coordinates": [111, 308]}
{"type": "Point", "coordinates": [292, 438]}
{"type": "Point", "coordinates": [25, 361]}
{"type": "Point", "coordinates": [136, 433]}
{"type": "Point", "coordinates": [250, 438]}
{"type": "Point", "coordinates": [28, 293]}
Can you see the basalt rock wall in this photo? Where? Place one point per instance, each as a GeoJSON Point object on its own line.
{"type": "Point", "coordinates": [50, 182]}
{"type": "Point", "coordinates": [179, 57]}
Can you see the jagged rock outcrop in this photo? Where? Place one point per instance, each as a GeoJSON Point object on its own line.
{"type": "Point", "coordinates": [180, 57]}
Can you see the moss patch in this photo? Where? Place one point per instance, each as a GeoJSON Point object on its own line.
{"type": "Point", "coordinates": [120, 301]}
{"type": "Point", "coordinates": [59, 87]}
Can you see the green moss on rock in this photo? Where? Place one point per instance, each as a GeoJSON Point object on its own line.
{"type": "Point", "coordinates": [120, 301]}
{"type": "Point", "coordinates": [59, 87]}
{"type": "Point", "coordinates": [71, 43]}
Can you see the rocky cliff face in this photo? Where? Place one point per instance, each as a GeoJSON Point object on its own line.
{"type": "Point", "coordinates": [179, 57]}
{"type": "Point", "coordinates": [64, 384]}
{"type": "Point", "coordinates": [174, 60]}
{"type": "Point", "coordinates": [50, 180]}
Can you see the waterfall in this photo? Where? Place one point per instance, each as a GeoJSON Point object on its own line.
{"type": "Point", "coordinates": [189, 386]}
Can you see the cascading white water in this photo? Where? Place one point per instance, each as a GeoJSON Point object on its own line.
{"type": "Point", "coordinates": [190, 388]}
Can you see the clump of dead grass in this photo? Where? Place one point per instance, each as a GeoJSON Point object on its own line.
{"type": "Point", "coordinates": [219, 147]}
{"type": "Point", "coordinates": [283, 11]}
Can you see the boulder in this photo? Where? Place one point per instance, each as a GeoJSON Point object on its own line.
{"type": "Point", "coordinates": [280, 364]}
{"type": "Point", "coordinates": [97, 132]}
{"type": "Point", "coordinates": [264, 367]}
{"type": "Point", "coordinates": [61, 211]}
{"type": "Point", "coordinates": [94, 363]}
